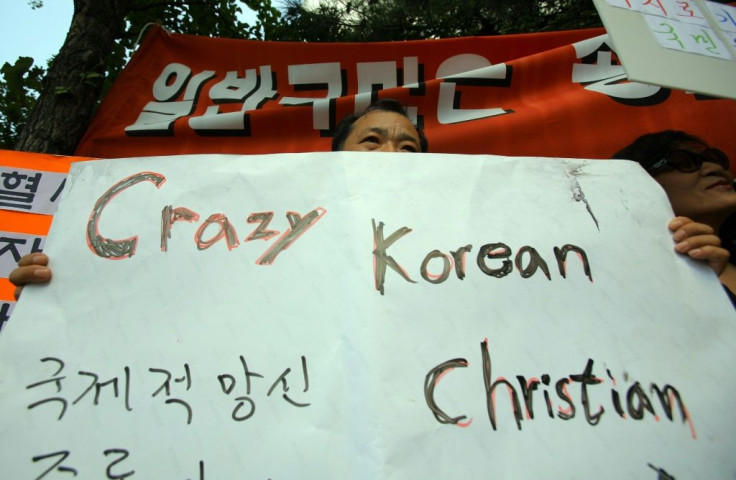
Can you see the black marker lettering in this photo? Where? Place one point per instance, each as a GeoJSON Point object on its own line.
{"type": "Point", "coordinates": [492, 251]}
{"type": "Point", "coordinates": [491, 387]}
{"type": "Point", "coordinates": [547, 400]}
{"type": "Point", "coordinates": [299, 226]}
{"type": "Point", "coordinates": [123, 455]}
{"type": "Point", "coordinates": [116, 249]}
{"type": "Point", "coordinates": [261, 232]}
{"type": "Point", "coordinates": [561, 255]}
{"type": "Point", "coordinates": [381, 259]}
{"type": "Point", "coordinates": [431, 381]}
{"type": "Point", "coordinates": [527, 391]}
{"type": "Point", "coordinates": [560, 388]}
{"type": "Point", "coordinates": [226, 231]}
{"type": "Point", "coordinates": [446, 267]}
{"type": "Point", "coordinates": [586, 378]}
{"type": "Point", "coordinates": [169, 216]}
{"type": "Point", "coordinates": [535, 261]}
{"type": "Point", "coordinates": [638, 402]}
{"type": "Point", "coordinates": [459, 257]}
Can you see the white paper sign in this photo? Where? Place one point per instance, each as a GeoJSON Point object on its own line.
{"type": "Point", "coordinates": [686, 37]}
{"type": "Point", "coordinates": [731, 39]}
{"type": "Point", "coordinates": [724, 15]}
{"type": "Point", "coordinates": [675, 44]}
{"type": "Point", "coordinates": [346, 315]}
{"type": "Point", "coordinates": [680, 11]}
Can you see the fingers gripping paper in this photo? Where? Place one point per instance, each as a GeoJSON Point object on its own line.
{"type": "Point", "coordinates": [343, 315]}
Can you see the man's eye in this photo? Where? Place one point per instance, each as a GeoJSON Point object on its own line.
{"type": "Point", "coordinates": [371, 139]}
{"type": "Point", "coordinates": [409, 148]}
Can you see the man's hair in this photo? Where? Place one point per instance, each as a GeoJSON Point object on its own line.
{"type": "Point", "coordinates": [650, 148]}
{"type": "Point", "coordinates": [384, 105]}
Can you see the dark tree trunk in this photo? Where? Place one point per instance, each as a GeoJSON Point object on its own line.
{"type": "Point", "coordinates": [72, 85]}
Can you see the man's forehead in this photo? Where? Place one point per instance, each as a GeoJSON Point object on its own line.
{"type": "Point", "coordinates": [384, 121]}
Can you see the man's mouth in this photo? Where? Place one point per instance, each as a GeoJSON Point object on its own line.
{"type": "Point", "coordinates": [721, 185]}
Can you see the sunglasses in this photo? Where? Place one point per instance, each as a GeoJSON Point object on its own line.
{"type": "Point", "coordinates": [687, 161]}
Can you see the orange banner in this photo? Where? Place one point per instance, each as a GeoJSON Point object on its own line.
{"type": "Point", "coordinates": [546, 94]}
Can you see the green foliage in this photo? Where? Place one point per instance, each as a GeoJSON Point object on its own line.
{"type": "Point", "coordinates": [19, 88]}
{"type": "Point", "coordinates": [214, 18]}
{"type": "Point", "coordinates": [325, 23]}
{"type": "Point", "coordinates": [386, 20]}
{"type": "Point", "coordinates": [20, 84]}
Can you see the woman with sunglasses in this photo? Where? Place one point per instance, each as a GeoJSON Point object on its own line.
{"type": "Point", "coordinates": [699, 185]}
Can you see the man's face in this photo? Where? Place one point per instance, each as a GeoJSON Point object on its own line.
{"type": "Point", "coordinates": [702, 195]}
{"type": "Point", "coordinates": [382, 131]}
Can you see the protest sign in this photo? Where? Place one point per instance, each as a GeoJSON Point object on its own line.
{"type": "Point", "coordinates": [30, 185]}
{"type": "Point", "coordinates": [686, 45]}
{"type": "Point", "coordinates": [348, 315]}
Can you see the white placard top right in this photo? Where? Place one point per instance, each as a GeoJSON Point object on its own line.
{"type": "Point", "coordinates": [688, 45]}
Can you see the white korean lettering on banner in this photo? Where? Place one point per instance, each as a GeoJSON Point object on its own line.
{"type": "Point", "coordinates": [14, 245]}
{"type": "Point", "coordinates": [599, 73]}
{"type": "Point", "coordinates": [177, 90]}
{"type": "Point", "coordinates": [325, 78]}
{"type": "Point", "coordinates": [400, 312]}
{"type": "Point", "coordinates": [471, 70]}
{"type": "Point", "coordinates": [252, 91]}
{"type": "Point", "coordinates": [158, 117]}
{"type": "Point", "coordinates": [374, 76]}
{"type": "Point", "coordinates": [29, 190]}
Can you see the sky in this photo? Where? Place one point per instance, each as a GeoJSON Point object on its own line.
{"type": "Point", "coordinates": [36, 33]}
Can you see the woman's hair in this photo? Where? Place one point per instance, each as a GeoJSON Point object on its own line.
{"type": "Point", "coordinates": [650, 148]}
{"type": "Point", "coordinates": [384, 105]}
